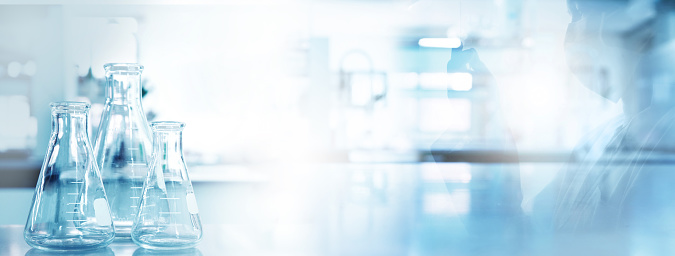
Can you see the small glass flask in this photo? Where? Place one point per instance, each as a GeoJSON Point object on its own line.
{"type": "Point", "coordinates": [123, 144]}
{"type": "Point", "coordinates": [168, 217]}
{"type": "Point", "coordinates": [70, 210]}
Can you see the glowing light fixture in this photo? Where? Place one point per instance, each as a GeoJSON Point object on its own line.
{"type": "Point", "coordinates": [460, 81]}
{"type": "Point", "coordinates": [452, 42]}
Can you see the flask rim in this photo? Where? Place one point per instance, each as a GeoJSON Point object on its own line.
{"type": "Point", "coordinates": [70, 107]}
{"type": "Point", "coordinates": [123, 67]}
{"type": "Point", "coordinates": [167, 126]}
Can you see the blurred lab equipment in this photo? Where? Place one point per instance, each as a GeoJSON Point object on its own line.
{"type": "Point", "coordinates": [168, 216]}
{"type": "Point", "coordinates": [362, 89]}
{"type": "Point", "coordinates": [70, 210]}
{"type": "Point", "coordinates": [123, 144]}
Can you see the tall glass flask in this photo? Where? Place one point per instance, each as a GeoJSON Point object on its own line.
{"type": "Point", "coordinates": [123, 144]}
{"type": "Point", "coordinates": [70, 210]}
{"type": "Point", "coordinates": [168, 217]}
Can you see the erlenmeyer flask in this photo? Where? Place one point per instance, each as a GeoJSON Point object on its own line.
{"type": "Point", "coordinates": [168, 217]}
{"type": "Point", "coordinates": [70, 210]}
{"type": "Point", "coordinates": [123, 144]}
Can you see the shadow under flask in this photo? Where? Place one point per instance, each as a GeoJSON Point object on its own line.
{"type": "Point", "coordinates": [70, 210]}
{"type": "Point", "coordinates": [168, 217]}
{"type": "Point", "coordinates": [123, 144]}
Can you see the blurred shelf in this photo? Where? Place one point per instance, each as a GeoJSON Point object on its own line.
{"type": "Point", "coordinates": [19, 172]}
{"type": "Point", "coordinates": [494, 156]}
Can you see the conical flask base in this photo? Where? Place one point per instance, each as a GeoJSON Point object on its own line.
{"type": "Point", "coordinates": [69, 244]}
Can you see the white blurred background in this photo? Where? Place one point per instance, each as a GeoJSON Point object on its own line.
{"type": "Point", "coordinates": [303, 80]}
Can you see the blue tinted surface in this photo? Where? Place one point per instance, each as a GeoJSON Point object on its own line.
{"type": "Point", "coordinates": [416, 209]}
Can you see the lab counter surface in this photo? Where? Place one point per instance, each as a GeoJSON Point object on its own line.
{"type": "Point", "coordinates": [383, 209]}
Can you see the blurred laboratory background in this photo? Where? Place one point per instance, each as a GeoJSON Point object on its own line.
{"type": "Point", "coordinates": [376, 127]}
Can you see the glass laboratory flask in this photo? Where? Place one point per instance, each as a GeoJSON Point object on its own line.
{"type": "Point", "coordinates": [70, 210]}
{"type": "Point", "coordinates": [123, 144]}
{"type": "Point", "coordinates": [168, 217]}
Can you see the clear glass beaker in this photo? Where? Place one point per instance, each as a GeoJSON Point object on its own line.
{"type": "Point", "coordinates": [70, 210]}
{"type": "Point", "coordinates": [123, 144]}
{"type": "Point", "coordinates": [168, 217]}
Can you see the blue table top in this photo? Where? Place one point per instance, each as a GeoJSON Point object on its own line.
{"type": "Point", "coordinates": [413, 209]}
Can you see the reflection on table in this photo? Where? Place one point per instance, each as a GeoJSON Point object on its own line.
{"type": "Point", "coordinates": [386, 209]}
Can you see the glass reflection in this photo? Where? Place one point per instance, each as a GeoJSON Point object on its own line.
{"type": "Point", "coordinates": [98, 252]}
{"type": "Point", "coordinates": [182, 252]}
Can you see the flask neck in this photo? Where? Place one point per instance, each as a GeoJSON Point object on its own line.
{"type": "Point", "coordinates": [69, 125]}
{"type": "Point", "coordinates": [123, 87]}
{"type": "Point", "coordinates": [168, 144]}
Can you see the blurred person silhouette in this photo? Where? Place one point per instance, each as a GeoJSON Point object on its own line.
{"type": "Point", "coordinates": [621, 175]}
